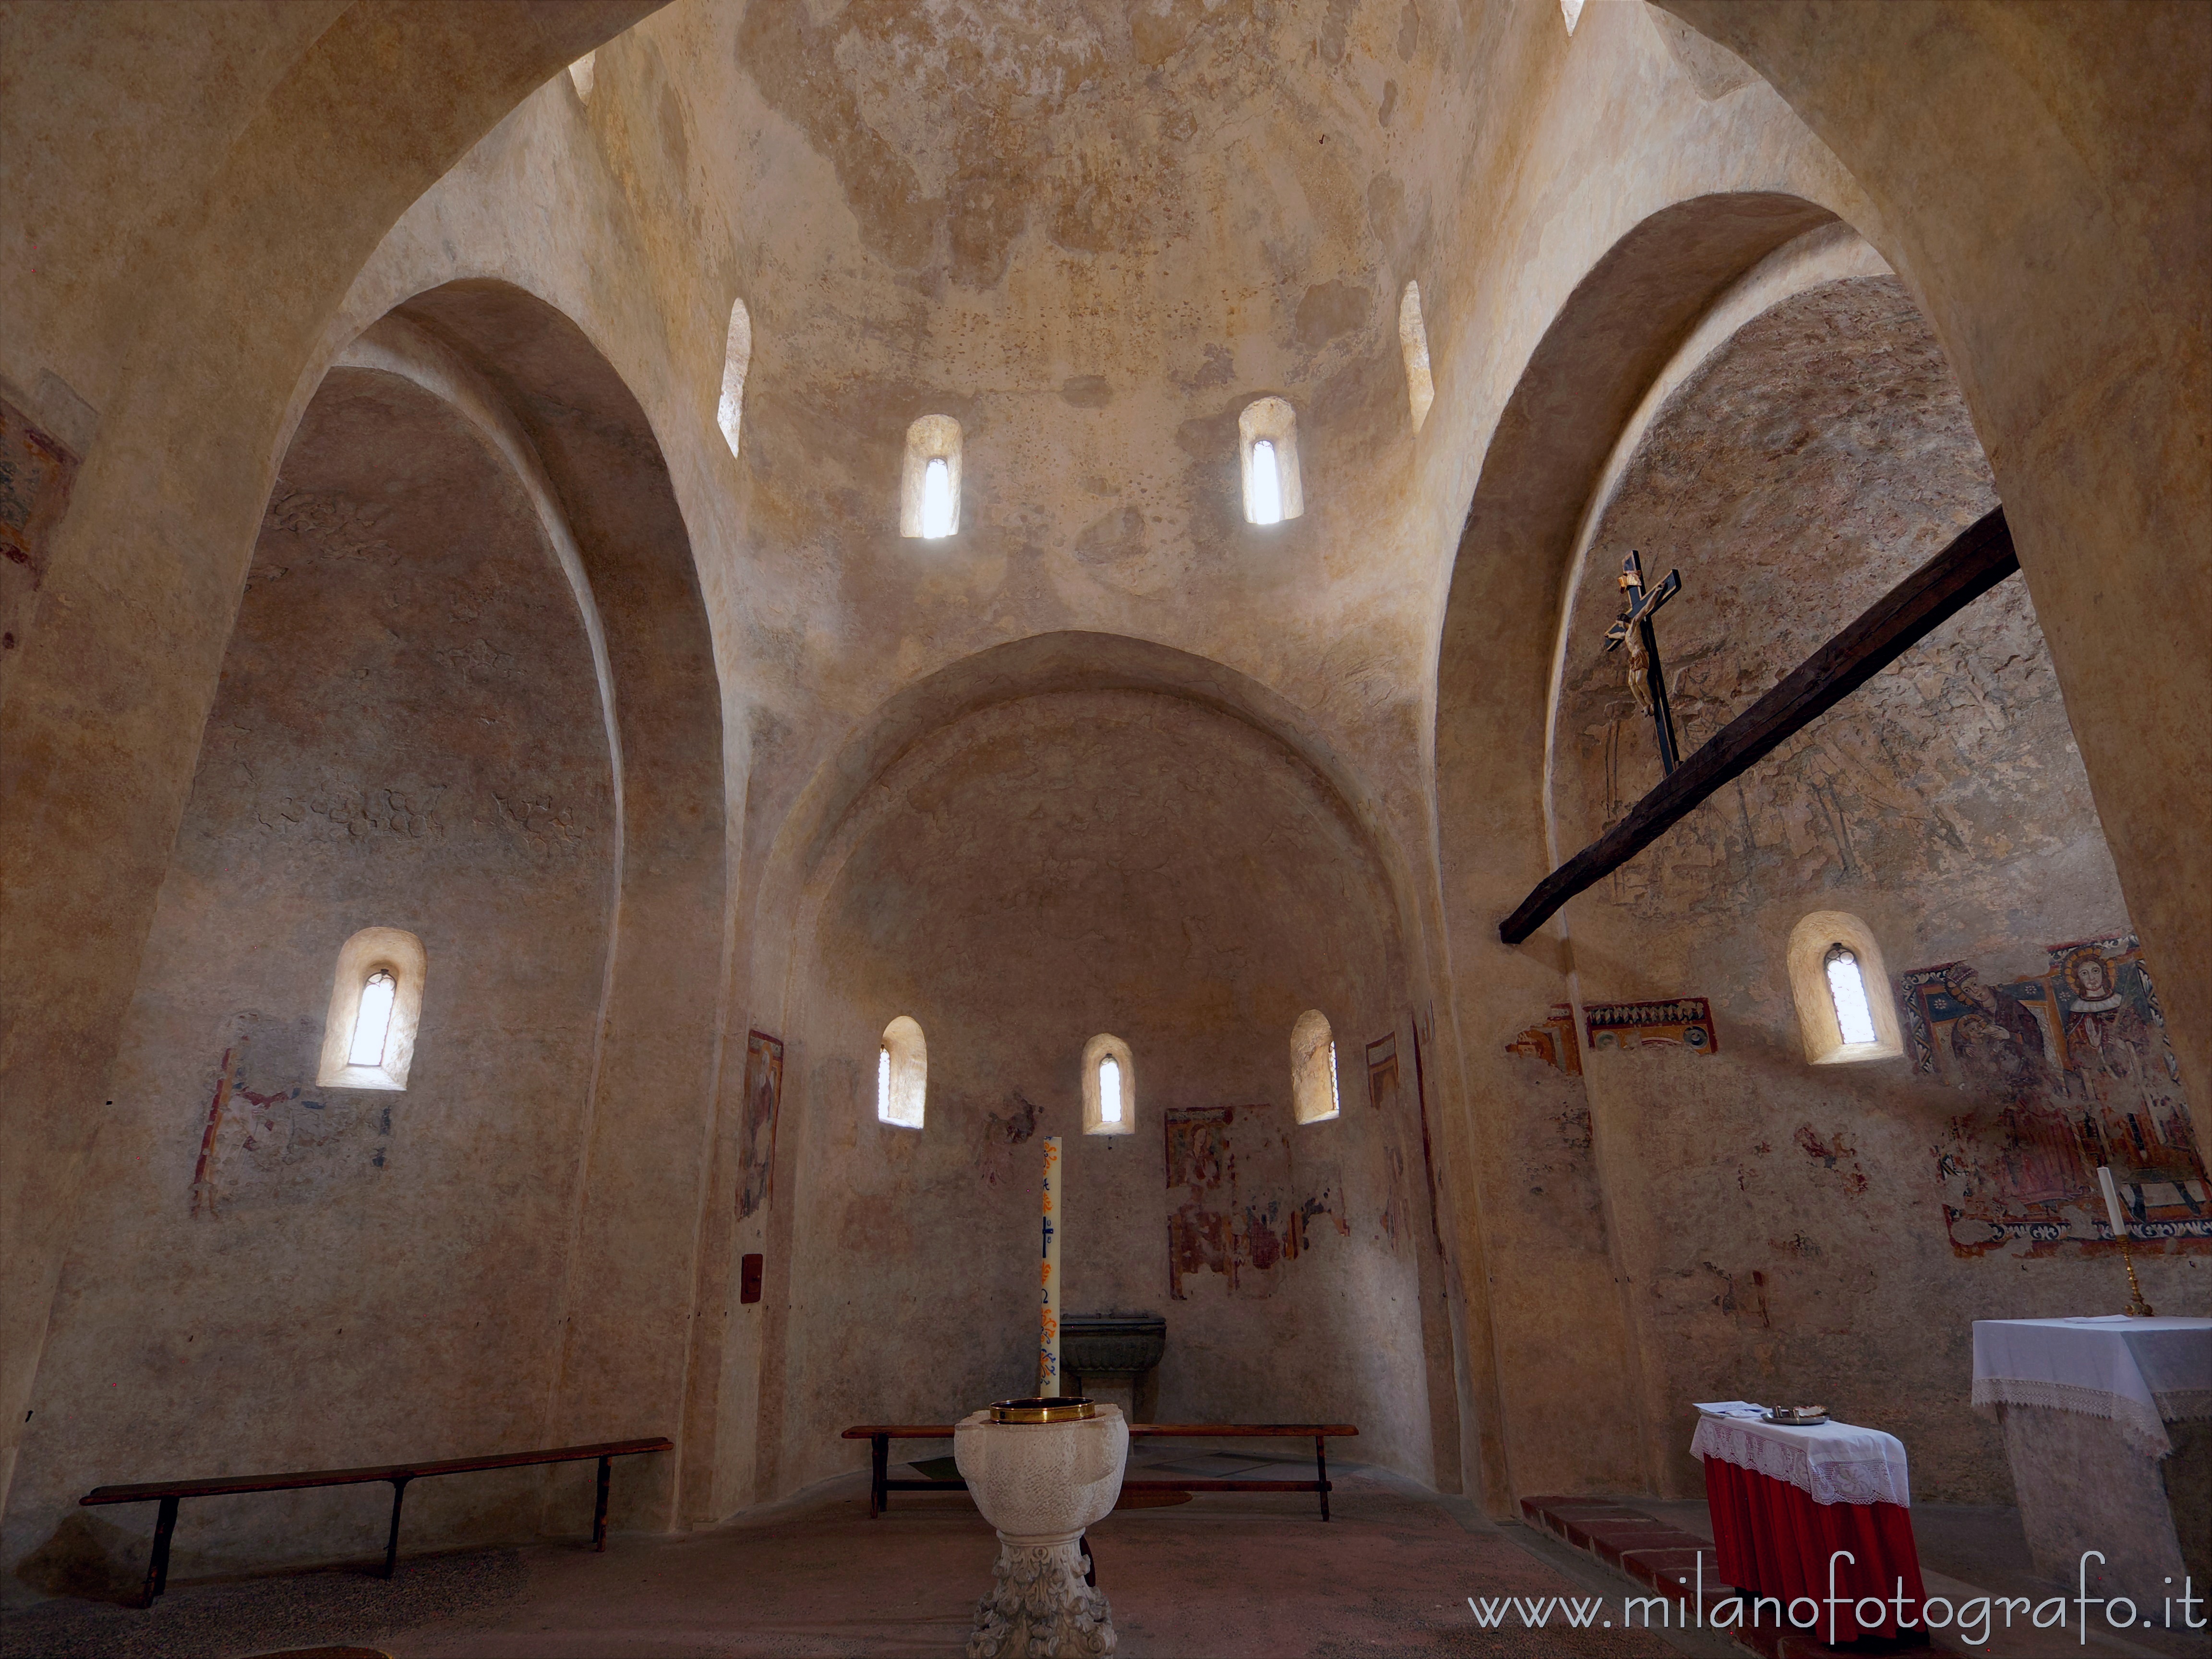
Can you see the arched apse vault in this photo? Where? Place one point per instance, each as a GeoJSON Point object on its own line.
{"type": "Point", "coordinates": [1182, 960]}
{"type": "Point", "coordinates": [1065, 661]}
{"type": "Point", "coordinates": [470, 696]}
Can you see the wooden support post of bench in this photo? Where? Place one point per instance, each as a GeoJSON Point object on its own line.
{"type": "Point", "coordinates": [879, 1437]}
{"type": "Point", "coordinates": [171, 1493]}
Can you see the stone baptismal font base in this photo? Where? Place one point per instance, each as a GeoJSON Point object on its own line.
{"type": "Point", "coordinates": [1041, 1484]}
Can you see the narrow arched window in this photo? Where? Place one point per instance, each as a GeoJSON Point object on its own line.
{"type": "Point", "coordinates": [1844, 1010]}
{"type": "Point", "coordinates": [902, 1075]}
{"type": "Point", "coordinates": [1267, 434]}
{"type": "Point", "coordinates": [376, 1011]}
{"type": "Point", "coordinates": [1847, 990]}
{"type": "Point", "coordinates": [1267, 488]}
{"type": "Point", "coordinates": [372, 1024]}
{"type": "Point", "coordinates": [937, 519]}
{"type": "Point", "coordinates": [1109, 1087]}
{"type": "Point", "coordinates": [737, 363]}
{"type": "Point", "coordinates": [1313, 1097]}
{"type": "Point", "coordinates": [929, 491]}
{"type": "Point", "coordinates": [1413, 345]}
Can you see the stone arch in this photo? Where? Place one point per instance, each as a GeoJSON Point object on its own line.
{"type": "Point", "coordinates": [629, 1330]}
{"type": "Point", "coordinates": [1611, 339]}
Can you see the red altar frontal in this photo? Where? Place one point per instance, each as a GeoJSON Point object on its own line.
{"type": "Point", "coordinates": [1820, 1514]}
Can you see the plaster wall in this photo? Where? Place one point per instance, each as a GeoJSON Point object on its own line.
{"type": "Point", "coordinates": [281, 1275]}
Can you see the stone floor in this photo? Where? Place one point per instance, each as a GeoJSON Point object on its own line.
{"type": "Point", "coordinates": [1224, 1575]}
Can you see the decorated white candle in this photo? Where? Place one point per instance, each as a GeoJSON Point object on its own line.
{"type": "Point", "coordinates": [1049, 1278]}
{"type": "Point", "coordinates": [2111, 1201]}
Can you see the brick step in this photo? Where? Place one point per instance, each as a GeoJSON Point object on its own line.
{"type": "Point", "coordinates": [1664, 1557]}
{"type": "Point", "coordinates": [1673, 1563]}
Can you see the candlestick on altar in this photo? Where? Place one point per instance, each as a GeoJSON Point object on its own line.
{"type": "Point", "coordinates": [1048, 1279]}
{"type": "Point", "coordinates": [2136, 1306]}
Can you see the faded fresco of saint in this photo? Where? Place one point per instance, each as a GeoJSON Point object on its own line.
{"type": "Point", "coordinates": [764, 1097]}
{"type": "Point", "coordinates": [2062, 1073]}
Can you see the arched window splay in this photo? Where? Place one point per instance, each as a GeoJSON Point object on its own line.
{"type": "Point", "coordinates": [737, 361]}
{"type": "Point", "coordinates": [1109, 1087]}
{"type": "Point", "coordinates": [1267, 435]}
{"type": "Point", "coordinates": [1313, 1097]}
{"type": "Point", "coordinates": [1844, 1010]}
{"type": "Point", "coordinates": [929, 490]}
{"type": "Point", "coordinates": [1413, 343]}
{"type": "Point", "coordinates": [902, 1075]}
{"type": "Point", "coordinates": [376, 1011]}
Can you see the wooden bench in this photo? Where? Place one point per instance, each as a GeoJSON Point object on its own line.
{"type": "Point", "coordinates": [881, 1436]}
{"type": "Point", "coordinates": [170, 1493]}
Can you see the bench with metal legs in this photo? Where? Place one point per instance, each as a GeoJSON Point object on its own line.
{"type": "Point", "coordinates": [170, 1493]}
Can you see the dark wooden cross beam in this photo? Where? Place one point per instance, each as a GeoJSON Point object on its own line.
{"type": "Point", "coordinates": [1633, 629]}
{"type": "Point", "coordinates": [1981, 558]}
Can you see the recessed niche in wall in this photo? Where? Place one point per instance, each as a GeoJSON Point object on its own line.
{"type": "Point", "coordinates": [1413, 343]}
{"type": "Point", "coordinates": [1109, 1087]}
{"type": "Point", "coordinates": [902, 1075]}
{"type": "Point", "coordinates": [376, 1003]}
{"type": "Point", "coordinates": [1844, 1010]}
{"type": "Point", "coordinates": [929, 489]}
{"type": "Point", "coordinates": [1267, 439]}
{"type": "Point", "coordinates": [1312, 1069]}
{"type": "Point", "coordinates": [736, 360]}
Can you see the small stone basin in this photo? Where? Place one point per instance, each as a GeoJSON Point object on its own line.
{"type": "Point", "coordinates": [1111, 1344]}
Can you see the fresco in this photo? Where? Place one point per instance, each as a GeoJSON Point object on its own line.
{"type": "Point", "coordinates": [1677, 1023]}
{"type": "Point", "coordinates": [36, 475]}
{"type": "Point", "coordinates": [1215, 1230]}
{"type": "Point", "coordinates": [763, 1098]}
{"type": "Point", "coordinates": [1553, 1042]}
{"type": "Point", "coordinates": [2065, 1071]}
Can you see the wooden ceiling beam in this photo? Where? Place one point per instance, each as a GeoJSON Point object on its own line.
{"type": "Point", "coordinates": [1977, 561]}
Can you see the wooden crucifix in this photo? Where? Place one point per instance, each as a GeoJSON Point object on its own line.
{"type": "Point", "coordinates": [1632, 628]}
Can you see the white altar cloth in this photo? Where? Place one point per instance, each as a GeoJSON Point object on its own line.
{"type": "Point", "coordinates": [1833, 1462]}
{"type": "Point", "coordinates": [2141, 1373]}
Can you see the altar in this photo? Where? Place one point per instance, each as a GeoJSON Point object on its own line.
{"type": "Point", "coordinates": [1811, 1512]}
{"type": "Point", "coordinates": [2108, 1431]}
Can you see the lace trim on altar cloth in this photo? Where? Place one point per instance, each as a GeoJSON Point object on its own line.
{"type": "Point", "coordinates": [1880, 1480]}
{"type": "Point", "coordinates": [2141, 1423]}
